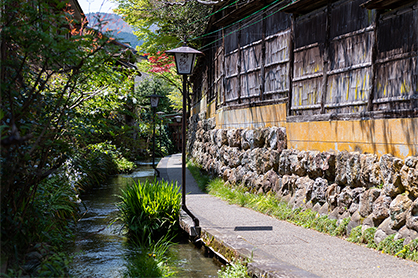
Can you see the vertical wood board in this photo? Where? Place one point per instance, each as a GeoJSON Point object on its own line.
{"type": "Point", "coordinates": [277, 48]}
{"type": "Point", "coordinates": [307, 62]}
{"type": "Point", "coordinates": [349, 87]}
{"type": "Point", "coordinates": [355, 50]}
{"type": "Point", "coordinates": [250, 85]}
{"type": "Point", "coordinates": [276, 79]}
{"type": "Point", "coordinates": [348, 16]}
{"type": "Point", "coordinates": [231, 64]}
{"type": "Point", "coordinates": [231, 89]}
{"type": "Point", "coordinates": [250, 58]}
{"type": "Point", "coordinates": [397, 80]}
{"type": "Point", "coordinates": [306, 93]}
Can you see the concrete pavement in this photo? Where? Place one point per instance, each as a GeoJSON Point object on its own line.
{"type": "Point", "coordinates": [278, 248]}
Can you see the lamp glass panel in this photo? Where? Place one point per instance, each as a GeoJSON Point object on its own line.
{"type": "Point", "coordinates": [154, 101]}
{"type": "Point", "coordinates": [184, 63]}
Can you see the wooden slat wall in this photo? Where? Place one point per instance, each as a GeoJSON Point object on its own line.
{"type": "Point", "coordinates": [339, 59]}
{"type": "Point", "coordinates": [256, 60]}
{"type": "Point", "coordinates": [397, 61]}
{"type": "Point", "coordinates": [308, 63]}
{"type": "Point", "coordinates": [277, 65]}
{"type": "Point", "coordinates": [219, 74]}
{"type": "Point", "coordinates": [349, 82]}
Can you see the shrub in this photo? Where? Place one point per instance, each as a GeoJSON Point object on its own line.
{"type": "Point", "coordinates": [341, 230]}
{"type": "Point", "coordinates": [409, 251]}
{"type": "Point", "coordinates": [149, 210]}
{"type": "Point", "coordinates": [390, 246]}
{"type": "Point", "coordinates": [355, 235]}
{"type": "Point", "coordinates": [368, 237]}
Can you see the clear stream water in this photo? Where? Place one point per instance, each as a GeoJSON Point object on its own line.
{"type": "Point", "coordinates": [100, 249]}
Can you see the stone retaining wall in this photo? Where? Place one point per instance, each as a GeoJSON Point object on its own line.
{"type": "Point", "coordinates": [373, 191]}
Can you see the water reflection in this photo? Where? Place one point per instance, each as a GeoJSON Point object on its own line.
{"type": "Point", "coordinates": [101, 250]}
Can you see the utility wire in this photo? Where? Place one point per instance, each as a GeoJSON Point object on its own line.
{"type": "Point", "coordinates": [243, 27]}
{"type": "Point", "coordinates": [236, 22]}
{"type": "Point", "coordinates": [220, 10]}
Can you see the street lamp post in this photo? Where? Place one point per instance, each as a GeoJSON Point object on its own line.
{"type": "Point", "coordinates": [185, 59]}
{"type": "Point", "coordinates": [154, 103]}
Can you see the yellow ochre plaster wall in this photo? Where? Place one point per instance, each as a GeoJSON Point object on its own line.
{"type": "Point", "coordinates": [252, 117]}
{"type": "Point", "coordinates": [398, 137]}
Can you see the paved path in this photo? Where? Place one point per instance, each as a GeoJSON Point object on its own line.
{"type": "Point", "coordinates": [278, 248]}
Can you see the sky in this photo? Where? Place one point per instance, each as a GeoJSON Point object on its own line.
{"type": "Point", "coordinates": [93, 6]}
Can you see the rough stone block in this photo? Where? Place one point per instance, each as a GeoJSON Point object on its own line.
{"type": "Point", "coordinates": [398, 211]}
{"type": "Point", "coordinates": [367, 167]}
{"type": "Point", "coordinates": [366, 201]}
{"type": "Point", "coordinates": [409, 176]}
{"type": "Point", "coordinates": [317, 192]}
{"type": "Point", "coordinates": [355, 220]}
{"type": "Point", "coordinates": [384, 230]}
{"type": "Point", "coordinates": [288, 185]}
{"type": "Point", "coordinates": [234, 137]}
{"type": "Point", "coordinates": [348, 169]}
{"type": "Point", "coordinates": [331, 195]}
{"type": "Point", "coordinates": [412, 216]}
{"type": "Point", "coordinates": [407, 234]}
{"type": "Point", "coordinates": [390, 172]}
{"type": "Point", "coordinates": [380, 208]}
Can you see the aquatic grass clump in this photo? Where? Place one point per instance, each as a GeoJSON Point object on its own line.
{"type": "Point", "coordinates": [150, 210]}
{"type": "Point", "coordinates": [148, 259]}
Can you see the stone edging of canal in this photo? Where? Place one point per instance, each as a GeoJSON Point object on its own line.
{"type": "Point", "coordinates": [227, 246]}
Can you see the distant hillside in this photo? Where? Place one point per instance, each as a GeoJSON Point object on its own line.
{"type": "Point", "coordinates": [114, 23]}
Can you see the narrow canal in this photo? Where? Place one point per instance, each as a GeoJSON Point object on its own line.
{"type": "Point", "coordinates": [101, 250]}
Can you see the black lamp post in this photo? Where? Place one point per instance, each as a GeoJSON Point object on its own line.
{"type": "Point", "coordinates": [154, 103]}
{"type": "Point", "coordinates": [185, 59]}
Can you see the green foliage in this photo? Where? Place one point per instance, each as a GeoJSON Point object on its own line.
{"type": "Point", "coordinates": [149, 210]}
{"type": "Point", "coordinates": [149, 259]}
{"type": "Point", "coordinates": [390, 246]}
{"type": "Point", "coordinates": [355, 235]}
{"type": "Point", "coordinates": [45, 228]}
{"type": "Point", "coordinates": [113, 154]}
{"type": "Point", "coordinates": [235, 270]}
{"type": "Point", "coordinates": [409, 251]}
{"type": "Point", "coordinates": [306, 218]}
{"type": "Point", "coordinates": [201, 178]}
{"type": "Point", "coordinates": [55, 266]}
{"type": "Point", "coordinates": [368, 237]}
{"type": "Point", "coordinates": [163, 26]}
{"type": "Point", "coordinates": [341, 230]}
{"type": "Point", "coordinates": [95, 163]}
{"type": "Point", "coordinates": [62, 89]}
{"type": "Point", "coordinates": [325, 225]}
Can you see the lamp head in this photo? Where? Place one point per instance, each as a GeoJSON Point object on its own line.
{"type": "Point", "coordinates": [154, 100]}
{"type": "Point", "coordinates": [185, 58]}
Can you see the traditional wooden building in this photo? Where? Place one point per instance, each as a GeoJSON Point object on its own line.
{"type": "Point", "coordinates": [338, 75]}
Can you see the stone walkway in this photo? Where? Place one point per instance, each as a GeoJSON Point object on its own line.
{"type": "Point", "coordinates": [278, 248]}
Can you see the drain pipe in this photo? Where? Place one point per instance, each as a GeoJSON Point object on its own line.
{"type": "Point", "coordinates": [195, 231]}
